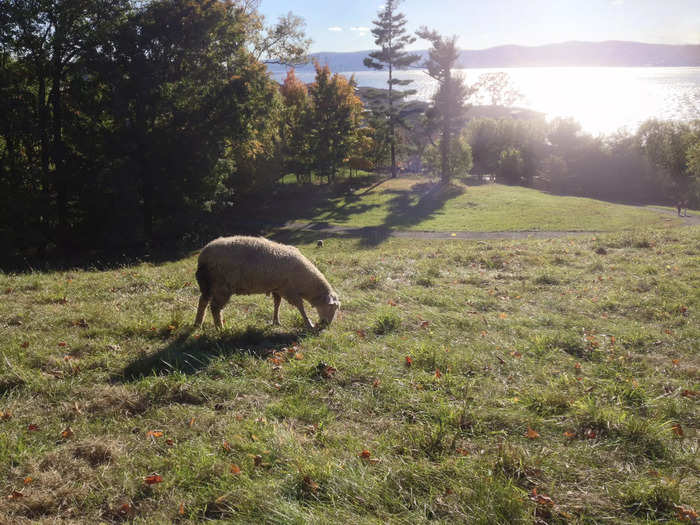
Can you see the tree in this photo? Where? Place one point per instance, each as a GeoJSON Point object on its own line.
{"type": "Point", "coordinates": [295, 127]}
{"type": "Point", "coordinates": [459, 157]}
{"type": "Point", "coordinates": [335, 121]}
{"type": "Point", "coordinates": [390, 35]}
{"type": "Point", "coordinates": [499, 87]}
{"type": "Point", "coordinates": [451, 95]}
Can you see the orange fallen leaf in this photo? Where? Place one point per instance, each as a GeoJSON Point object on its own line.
{"type": "Point", "coordinates": [569, 434]}
{"type": "Point", "coordinates": [125, 508]}
{"type": "Point", "coordinates": [329, 372]}
{"type": "Point", "coordinates": [541, 499]}
{"type": "Point", "coordinates": [516, 354]}
{"type": "Point", "coordinates": [27, 480]}
{"type": "Point", "coordinates": [424, 324]}
{"type": "Point", "coordinates": [191, 424]}
{"type": "Point", "coordinates": [365, 454]}
{"type": "Point", "coordinates": [153, 478]}
{"type": "Point", "coordinates": [531, 434]}
{"type": "Point", "coordinates": [689, 393]}
{"type": "Point", "coordinates": [502, 315]}
{"type": "Point", "coordinates": [591, 434]}
{"type": "Point", "coordinates": [169, 442]}
{"type": "Point", "coordinates": [67, 432]}
{"type": "Point", "coordinates": [577, 366]}
{"type": "Point", "coordinates": [15, 494]}
{"type": "Point", "coordinates": [438, 374]}
{"type": "Point", "coordinates": [62, 344]}
{"type": "Point", "coordinates": [226, 446]}
{"type": "Point", "coordinates": [5, 416]}
{"type": "Point", "coordinates": [361, 334]}
{"type": "Point", "coordinates": [25, 344]}
{"type": "Point", "coordinates": [32, 427]}
{"type": "Point", "coordinates": [154, 433]}
{"type": "Point", "coordinates": [376, 383]}
{"type": "Point", "coordinates": [310, 484]}
{"type": "Point", "coordinates": [686, 513]}
{"type": "Point", "coordinates": [462, 451]}
{"type": "Point", "coordinates": [181, 509]}
{"type": "Point", "coordinates": [299, 356]}
{"type": "Point", "coordinates": [677, 430]}
{"type": "Point", "coordinates": [392, 302]}
{"type": "Point", "coordinates": [235, 469]}
{"type": "Point", "coordinates": [409, 361]}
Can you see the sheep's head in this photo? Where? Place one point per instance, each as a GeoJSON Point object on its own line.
{"type": "Point", "coordinates": [327, 306]}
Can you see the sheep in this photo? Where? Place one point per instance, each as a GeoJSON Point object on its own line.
{"type": "Point", "coordinates": [249, 265]}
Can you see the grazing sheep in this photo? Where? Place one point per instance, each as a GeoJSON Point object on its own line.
{"type": "Point", "coordinates": [248, 265]}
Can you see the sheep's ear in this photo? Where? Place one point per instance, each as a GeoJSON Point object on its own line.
{"type": "Point", "coordinates": [332, 299]}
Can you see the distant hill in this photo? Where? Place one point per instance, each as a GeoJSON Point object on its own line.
{"type": "Point", "coordinates": [573, 54]}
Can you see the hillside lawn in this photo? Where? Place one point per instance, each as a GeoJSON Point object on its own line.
{"type": "Point", "coordinates": [414, 203]}
{"type": "Point", "coordinates": [531, 381]}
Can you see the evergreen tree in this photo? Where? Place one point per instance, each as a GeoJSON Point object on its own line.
{"type": "Point", "coordinates": [451, 95]}
{"type": "Point", "coordinates": [390, 35]}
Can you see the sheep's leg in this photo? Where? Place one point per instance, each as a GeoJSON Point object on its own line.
{"type": "Point", "coordinates": [299, 303]}
{"type": "Point", "coordinates": [201, 309]}
{"type": "Point", "coordinates": [217, 304]}
{"type": "Point", "coordinates": [276, 315]}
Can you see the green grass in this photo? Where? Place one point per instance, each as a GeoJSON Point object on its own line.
{"type": "Point", "coordinates": [592, 343]}
{"type": "Point", "coordinates": [415, 204]}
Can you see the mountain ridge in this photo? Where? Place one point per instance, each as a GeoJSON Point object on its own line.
{"type": "Point", "coordinates": [610, 53]}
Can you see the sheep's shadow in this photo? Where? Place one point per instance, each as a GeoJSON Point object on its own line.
{"type": "Point", "coordinates": [190, 353]}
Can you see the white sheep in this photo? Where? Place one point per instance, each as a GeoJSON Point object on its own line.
{"type": "Point", "coordinates": [249, 265]}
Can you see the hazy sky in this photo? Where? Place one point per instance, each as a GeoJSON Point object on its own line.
{"type": "Point", "coordinates": [344, 25]}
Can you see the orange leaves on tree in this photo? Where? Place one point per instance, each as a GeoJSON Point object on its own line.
{"type": "Point", "coordinates": [531, 434]}
{"type": "Point", "coordinates": [153, 479]}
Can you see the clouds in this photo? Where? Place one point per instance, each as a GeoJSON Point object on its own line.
{"type": "Point", "coordinates": [335, 29]}
{"type": "Point", "coordinates": [359, 31]}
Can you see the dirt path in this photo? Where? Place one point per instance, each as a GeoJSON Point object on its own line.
{"type": "Point", "coordinates": [382, 232]}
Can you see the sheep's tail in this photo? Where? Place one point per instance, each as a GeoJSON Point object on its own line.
{"type": "Point", "coordinates": [203, 279]}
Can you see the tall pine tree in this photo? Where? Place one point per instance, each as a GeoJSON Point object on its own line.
{"type": "Point", "coordinates": [390, 35]}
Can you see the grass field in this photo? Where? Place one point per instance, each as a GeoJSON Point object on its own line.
{"type": "Point", "coordinates": [504, 382]}
{"type": "Point", "coordinates": [416, 204]}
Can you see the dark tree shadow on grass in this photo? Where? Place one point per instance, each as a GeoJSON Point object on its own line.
{"type": "Point", "coordinates": [189, 355]}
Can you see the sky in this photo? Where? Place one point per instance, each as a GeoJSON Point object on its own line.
{"type": "Point", "coordinates": [344, 25]}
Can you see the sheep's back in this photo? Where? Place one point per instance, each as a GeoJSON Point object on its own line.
{"type": "Point", "coordinates": [253, 265]}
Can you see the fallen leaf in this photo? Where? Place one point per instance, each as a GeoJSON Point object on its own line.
{"type": "Point", "coordinates": [5, 416]}
{"type": "Point", "coordinates": [27, 480]}
{"type": "Point", "coordinates": [689, 393]}
{"type": "Point", "coordinates": [677, 430]}
{"type": "Point", "coordinates": [675, 362]}
{"type": "Point", "coordinates": [438, 375]}
{"type": "Point", "coordinates": [226, 446]}
{"type": "Point", "coordinates": [686, 513]}
{"type": "Point", "coordinates": [15, 494]}
{"type": "Point", "coordinates": [62, 344]}
{"type": "Point", "coordinates": [153, 478]}
{"type": "Point", "coordinates": [392, 302]}
{"type": "Point", "coordinates": [541, 499]}
{"type": "Point", "coordinates": [32, 427]}
{"type": "Point", "coordinates": [25, 344]}
{"type": "Point", "coordinates": [125, 509]}
{"type": "Point", "coordinates": [516, 354]}
{"type": "Point", "coordinates": [462, 451]}
{"type": "Point", "coordinates": [191, 424]}
{"type": "Point", "coordinates": [531, 434]}
{"type": "Point", "coordinates": [569, 434]}
{"type": "Point", "coordinates": [154, 433]}
{"type": "Point", "coordinates": [329, 372]}
{"type": "Point", "coordinates": [591, 434]}
{"type": "Point", "coordinates": [257, 460]}
{"type": "Point", "coordinates": [577, 366]}
{"type": "Point", "coordinates": [181, 509]}
{"type": "Point", "coordinates": [169, 442]}
{"type": "Point", "coordinates": [235, 469]}
{"type": "Point", "coordinates": [365, 454]}
{"type": "Point", "coordinates": [409, 361]}
{"type": "Point", "coordinates": [67, 432]}
{"type": "Point", "coordinates": [310, 484]}
{"type": "Point", "coordinates": [361, 334]}
{"type": "Point", "coordinates": [299, 356]}
{"type": "Point", "coordinates": [376, 383]}
{"type": "Point", "coordinates": [502, 315]}
{"type": "Point", "coordinates": [424, 324]}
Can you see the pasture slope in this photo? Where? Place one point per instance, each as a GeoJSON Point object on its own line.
{"type": "Point", "coordinates": [498, 381]}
